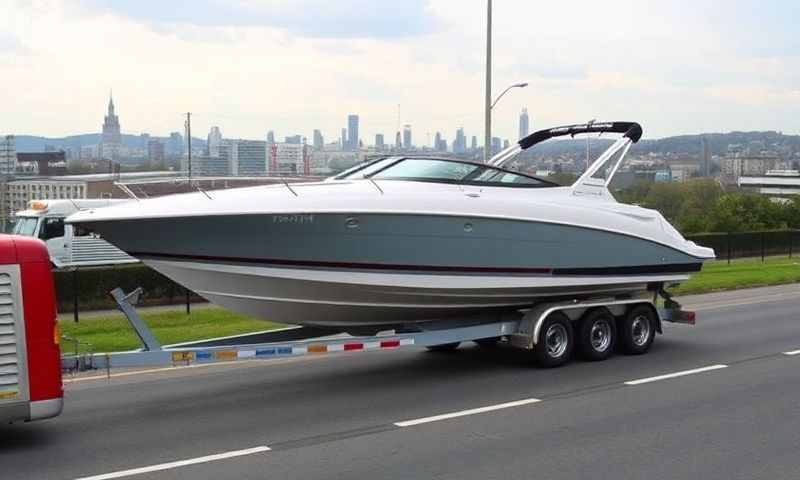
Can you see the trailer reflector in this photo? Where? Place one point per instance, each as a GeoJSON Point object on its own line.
{"type": "Point", "coordinates": [227, 355]}
{"type": "Point", "coordinates": [353, 346]}
{"type": "Point", "coordinates": [390, 343]}
{"type": "Point", "coordinates": [204, 356]}
{"type": "Point", "coordinates": [178, 357]}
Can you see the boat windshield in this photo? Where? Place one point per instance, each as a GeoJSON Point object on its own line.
{"type": "Point", "coordinates": [364, 169]}
{"type": "Point", "coordinates": [454, 171]}
{"type": "Point", "coordinates": [26, 226]}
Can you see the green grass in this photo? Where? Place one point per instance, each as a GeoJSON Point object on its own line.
{"type": "Point", "coordinates": [113, 333]}
{"type": "Point", "coordinates": [741, 273]}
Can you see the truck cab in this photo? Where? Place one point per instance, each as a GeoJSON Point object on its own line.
{"type": "Point", "coordinates": [68, 246]}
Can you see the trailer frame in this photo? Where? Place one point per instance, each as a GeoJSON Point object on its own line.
{"type": "Point", "coordinates": [520, 329]}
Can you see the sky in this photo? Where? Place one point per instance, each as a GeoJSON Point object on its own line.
{"type": "Point", "coordinates": [292, 66]}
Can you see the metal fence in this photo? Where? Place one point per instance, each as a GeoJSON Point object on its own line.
{"type": "Point", "coordinates": [749, 244]}
{"type": "Point", "coordinates": [88, 289]}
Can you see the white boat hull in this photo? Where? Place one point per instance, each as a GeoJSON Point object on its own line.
{"type": "Point", "coordinates": [331, 298]}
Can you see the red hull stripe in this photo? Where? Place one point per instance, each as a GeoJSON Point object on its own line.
{"type": "Point", "coordinates": [348, 265]}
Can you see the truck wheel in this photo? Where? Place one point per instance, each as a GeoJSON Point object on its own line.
{"type": "Point", "coordinates": [555, 343]}
{"type": "Point", "coordinates": [596, 334]}
{"type": "Point", "coordinates": [445, 347]}
{"type": "Point", "coordinates": [637, 329]}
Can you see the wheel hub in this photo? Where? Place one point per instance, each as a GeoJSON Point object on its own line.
{"type": "Point", "coordinates": [556, 340]}
{"type": "Point", "coordinates": [600, 335]}
{"type": "Point", "coordinates": [640, 330]}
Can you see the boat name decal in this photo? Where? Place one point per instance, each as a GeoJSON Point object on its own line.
{"type": "Point", "coordinates": [298, 219]}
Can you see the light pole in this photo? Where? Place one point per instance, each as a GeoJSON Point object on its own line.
{"type": "Point", "coordinates": [588, 124]}
{"type": "Point", "coordinates": [487, 140]}
{"type": "Point", "coordinates": [489, 105]}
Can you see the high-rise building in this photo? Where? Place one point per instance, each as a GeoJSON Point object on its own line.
{"type": "Point", "coordinates": [214, 141]}
{"type": "Point", "coordinates": [437, 141]}
{"type": "Point", "coordinates": [460, 143]}
{"type": "Point", "coordinates": [407, 137]}
{"type": "Point", "coordinates": [344, 139]}
{"type": "Point", "coordinates": [319, 141]}
{"type": "Point", "coordinates": [379, 143]}
{"type": "Point", "coordinates": [352, 132]}
{"type": "Point", "coordinates": [175, 144]}
{"type": "Point", "coordinates": [524, 124]}
{"type": "Point", "coordinates": [289, 158]}
{"type": "Point", "coordinates": [112, 138]}
{"type": "Point", "coordinates": [497, 145]}
{"type": "Point", "coordinates": [294, 140]}
{"type": "Point", "coordinates": [398, 141]}
{"type": "Point", "coordinates": [8, 155]}
{"type": "Point", "coordinates": [706, 157]}
{"type": "Point", "coordinates": [155, 151]}
{"type": "Point", "coordinates": [244, 157]}
{"type": "Point", "coordinates": [270, 137]}
{"type": "Point", "coordinates": [474, 143]}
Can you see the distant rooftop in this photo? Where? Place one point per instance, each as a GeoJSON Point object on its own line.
{"type": "Point", "coordinates": [98, 177]}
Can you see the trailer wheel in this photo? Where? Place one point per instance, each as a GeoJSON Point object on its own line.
{"type": "Point", "coordinates": [445, 347]}
{"type": "Point", "coordinates": [637, 330]}
{"type": "Point", "coordinates": [596, 335]}
{"type": "Point", "coordinates": [556, 340]}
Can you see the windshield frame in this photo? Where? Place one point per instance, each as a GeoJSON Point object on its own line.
{"type": "Point", "coordinates": [469, 179]}
{"type": "Point", "coordinates": [22, 222]}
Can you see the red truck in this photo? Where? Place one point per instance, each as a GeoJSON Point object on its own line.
{"type": "Point", "coordinates": [30, 357]}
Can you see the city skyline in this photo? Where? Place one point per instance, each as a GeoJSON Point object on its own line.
{"type": "Point", "coordinates": [711, 79]}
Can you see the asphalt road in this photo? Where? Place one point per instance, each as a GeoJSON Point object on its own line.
{"type": "Point", "coordinates": [384, 414]}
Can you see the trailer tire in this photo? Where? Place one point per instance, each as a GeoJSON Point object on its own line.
{"type": "Point", "coordinates": [596, 335]}
{"type": "Point", "coordinates": [445, 347]}
{"type": "Point", "coordinates": [637, 330]}
{"type": "Point", "coordinates": [555, 342]}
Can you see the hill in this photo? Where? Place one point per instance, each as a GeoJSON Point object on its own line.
{"type": "Point", "coordinates": [32, 143]}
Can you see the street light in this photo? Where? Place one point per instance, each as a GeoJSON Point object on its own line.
{"type": "Point", "coordinates": [487, 151]}
{"type": "Point", "coordinates": [516, 85]}
{"type": "Point", "coordinates": [588, 124]}
{"type": "Point", "coordinates": [487, 141]}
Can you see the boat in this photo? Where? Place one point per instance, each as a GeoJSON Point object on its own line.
{"type": "Point", "coordinates": [406, 239]}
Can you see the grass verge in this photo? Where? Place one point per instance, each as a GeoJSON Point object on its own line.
{"type": "Point", "coordinates": [112, 333]}
{"type": "Point", "coordinates": [741, 273]}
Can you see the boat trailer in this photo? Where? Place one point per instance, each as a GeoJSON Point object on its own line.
{"type": "Point", "coordinates": [520, 329]}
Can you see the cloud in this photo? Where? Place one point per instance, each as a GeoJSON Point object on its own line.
{"type": "Point", "coordinates": [307, 18]}
{"type": "Point", "coordinates": [9, 43]}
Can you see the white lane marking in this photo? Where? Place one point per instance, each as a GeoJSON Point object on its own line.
{"type": "Point", "coordinates": [463, 413]}
{"type": "Point", "coordinates": [178, 464]}
{"type": "Point", "coordinates": [792, 353]}
{"type": "Point", "coordinates": [675, 374]}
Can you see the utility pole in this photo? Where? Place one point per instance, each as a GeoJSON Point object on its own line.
{"type": "Point", "coordinates": [487, 141]}
{"type": "Point", "coordinates": [189, 140]}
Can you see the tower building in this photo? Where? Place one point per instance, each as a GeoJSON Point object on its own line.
{"type": "Point", "coordinates": [112, 138]}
